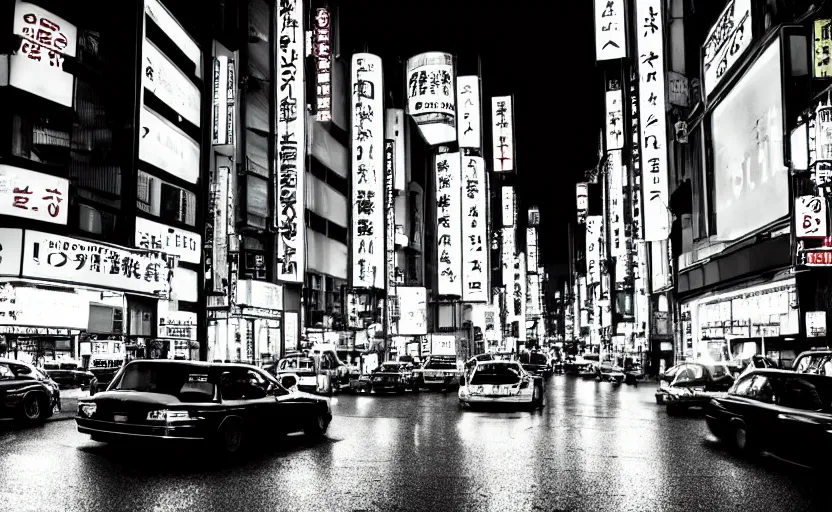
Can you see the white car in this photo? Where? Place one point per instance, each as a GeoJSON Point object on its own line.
{"type": "Point", "coordinates": [500, 382]}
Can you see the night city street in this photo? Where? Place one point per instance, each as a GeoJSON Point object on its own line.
{"type": "Point", "coordinates": [593, 447]}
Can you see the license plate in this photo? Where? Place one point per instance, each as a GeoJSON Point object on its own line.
{"type": "Point", "coordinates": [119, 418]}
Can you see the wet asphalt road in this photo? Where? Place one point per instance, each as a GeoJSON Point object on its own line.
{"type": "Point", "coordinates": [593, 447]}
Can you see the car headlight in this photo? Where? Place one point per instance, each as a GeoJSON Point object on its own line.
{"type": "Point", "coordinates": [86, 409]}
{"type": "Point", "coordinates": [168, 416]}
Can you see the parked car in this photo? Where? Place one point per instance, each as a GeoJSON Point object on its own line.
{"type": "Point", "coordinates": [438, 372]}
{"type": "Point", "coordinates": [535, 363]}
{"type": "Point", "coordinates": [498, 382]}
{"type": "Point", "coordinates": [580, 365]}
{"type": "Point", "coordinates": [304, 367]}
{"type": "Point", "coordinates": [67, 374]}
{"type": "Point", "coordinates": [694, 384]}
{"type": "Point", "coordinates": [785, 413]}
{"type": "Point", "coordinates": [27, 393]}
{"type": "Point", "coordinates": [633, 373]}
{"type": "Point", "coordinates": [225, 405]}
{"type": "Point", "coordinates": [394, 376]}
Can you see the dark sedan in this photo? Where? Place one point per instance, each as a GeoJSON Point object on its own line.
{"type": "Point", "coordinates": [101, 379]}
{"type": "Point", "coordinates": [535, 363]}
{"type": "Point", "coordinates": [67, 375]}
{"type": "Point", "coordinates": [392, 376]}
{"type": "Point", "coordinates": [693, 384]}
{"type": "Point", "coordinates": [26, 392]}
{"type": "Point", "coordinates": [782, 412]}
{"type": "Point", "coordinates": [225, 405]}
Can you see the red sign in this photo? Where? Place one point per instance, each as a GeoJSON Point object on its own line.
{"type": "Point", "coordinates": [818, 258]}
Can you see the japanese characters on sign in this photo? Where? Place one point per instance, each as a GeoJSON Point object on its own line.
{"type": "Point", "coordinates": [322, 50]}
{"type": "Point", "coordinates": [291, 144]}
{"type": "Point", "coordinates": [507, 240]}
{"type": "Point", "coordinates": [60, 258]}
{"type": "Point", "coordinates": [653, 123]}
{"type": "Point", "coordinates": [223, 101]}
{"type": "Point", "coordinates": [823, 48]}
{"type": "Point", "coordinates": [581, 200]}
{"type": "Point", "coordinates": [474, 230]}
{"type": "Point", "coordinates": [389, 217]}
{"type": "Point", "coordinates": [167, 147]}
{"type": "Point", "coordinates": [610, 30]}
{"type": "Point", "coordinates": [533, 295]}
{"type": "Point", "coordinates": [810, 217]}
{"type": "Point", "coordinates": [394, 130]}
{"type": "Point", "coordinates": [727, 40]}
{"type": "Point", "coordinates": [367, 123]}
{"type": "Point", "coordinates": [33, 195]}
{"type": "Point", "coordinates": [412, 310]}
{"type": "Point", "coordinates": [531, 249]}
{"type": "Point", "coordinates": [448, 219]}
{"type": "Point", "coordinates": [823, 134]}
{"type": "Point", "coordinates": [469, 130]}
{"type": "Point", "coordinates": [161, 77]}
{"type": "Point", "coordinates": [635, 183]}
{"type": "Point", "coordinates": [222, 205]}
{"type": "Point", "coordinates": [593, 249]}
{"type": "Point", "coordinates": [508, 206]}
{"type": "Point", "coordinates": [519, 294]}
{"type": "Point", "coordinates": [614, 134]}
{"type": "Point", "coordinates": [38, 65]}
{"type": "Point", "coordinates": [502, 133]}
{"type": "Point", "coordinates": [430, 96]}
{"type": "Point", "coordinates": [677, 89]}
{"type": "Point", "coordinates": [153, 236]}
{"type": "Point", "coordinates": [615, 174]}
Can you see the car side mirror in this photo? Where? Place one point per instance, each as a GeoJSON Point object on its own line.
{"type": "Point", "coordinates": [289, 381]}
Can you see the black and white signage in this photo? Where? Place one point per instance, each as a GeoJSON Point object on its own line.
{"type": "Point", "coordinates": [167, 147]}
{"type": "Point", "coordinates": [593, 248]}
{"type": "Point", "coordinates": [448, 218]}
{"type": "Point", "coordinates": [367, 121]}
{"type": "Point", "coordinates": [581, 200]}
{"type": "Point", "coordinates": [291, 145]}
{"type": "Point", "coordinates": [33, 195]}
{"type": "Point", "coordinates": [161, 77]}
{"type": "Point", "coordinates": [223, 102]}
{"type": "Point", "coordinates": [615, 132]}
{"type": "Point", "coordinates": [610, 30]}
{"type": "Point", "coordinates": [653, 123]}
{"type": "Point", "coordinates": [508, 206]}
{"type": "Point", "coordinates": [159, 237]}
{"type": "Point", "coordinates": [727, 40]}
{"type": "Point", "coordinates": [474, 230]}
{"type": "Point", "coordinates": [502, 133]}
{"type": "Point", "coordinates": [810, 217]}
{"type": "Point", "coordinates": [394, 130]}
{"type": "Point", "coordinates": [322, 50]}
{"type": "Point", "coordinates": [430, 96]}
{"type": "Point", "coordinates": [70, 260]}
{"type": "Point", "coordinates": [468, 103]}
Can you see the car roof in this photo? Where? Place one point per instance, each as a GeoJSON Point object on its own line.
{"type": "Point", "coordinates": [15, 361]}
{"type": "Point", "coordinates": [196, 364]}
{"type": "Point", "coordinates": [777, 371]}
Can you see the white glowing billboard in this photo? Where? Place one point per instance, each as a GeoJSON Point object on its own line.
{"type": "Point", "coordinates": [394, 130]}
{"type": "Point", "coordinates": [448, 228]}
{"type": "Point", "coordinates": [502, 134]}
{"type": "Point", "coordinates": [33, 195]}
{"type": "Point", "coordinates": [593, 248]}
{"type": "Point", "coordinates": [508, 206]}
{"type": "Point", "coordinates": [322, 51]}
{"type": "Point", "coordinates": [610, 30]}
{"type": "Point", "coordinates": [519, 295]}
{"type": "Point", "coordinates": [531, 249]}
{"type": "Point", "coordinates": [431, 100]}
{"type": "Point", "coordinates": [291, 145]}
{"type": "Point", "coordinates": [582, 200]}
{"type": "Point", "coordinates": [615, 175]}
{"type": "Point", "coordinates": [751, 182]}
{"type": "Point", "coordinates": [507, 244]}
{"type": "Point", "coordinates": [653, 123]}
{"type": "Point", "coordinates": [615, 131]}
{"type": "Point", "coordinates": [367, 121]}
{"type": "Point", "coordinates": [469, 127]}
{"type": "Point", "coordinates": [413, 305]}
{"type": "Point", "coordinates": [474, 230]}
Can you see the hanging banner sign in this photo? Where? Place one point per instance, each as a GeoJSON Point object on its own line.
{"type": "Point", "coordinates": [474, 230]}
{"type": "Point", "coordinates": [615, 174]}
{"type": "Point", "coordinates": [593, 248]}
{"type": "Point", "coordinates": [394, 130]}
{"type": "Point", "coordinates": [614, 134]}
{"type": "Point", "coordinates": [389, 218]}
{"type": "Point", "coordinates": [169, 84]}
{"type": "Point", "coordinates": [33, 195]}
{"type": "Point", "coordinates": [223, 111]}
{"type": "Point", "coordinates": [291, 145]}
{"type": "Point", "coordinates": [448, 229]}
{"type": "Point", "coordinates": [610, 30]}
{"type": "Point", "coordinates": [430, 96]}
{"type": "Point", "coordinates": [581, 198]}
{"type": "Point", "coordinates": [468, 102]}
{"type": "Point", "coordinates": [167, 147]}
{"type": "Point", "coordinates": [502, 133]}
{"type": "Point", "coordinates": [367, 172]}
{"type": "Point", "coordinates": [508, 206]}
{"type": "Point", "coordinates": [322, 50]}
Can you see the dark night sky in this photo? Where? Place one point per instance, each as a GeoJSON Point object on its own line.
{"type": "Point", "coordinates": [542, 52]}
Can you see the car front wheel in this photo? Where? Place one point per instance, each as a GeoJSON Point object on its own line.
{"type": "Point", "coordinates": [34, 409]}
{"type": "Point", "coordinates": [317, 427]}
{"type": "Point", "coordinates": [229, 439]}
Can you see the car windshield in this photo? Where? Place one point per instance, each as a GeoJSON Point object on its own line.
{"type": "Point", "coordinates": [188, 383]}
{"type": "Point", "coordinates": [818, 363]}
{"type": "Point", "coordinates": [718, 370]}
{"type": "Point", "coordinates": [490, 373]}
{"type": "Point", "coordinates": [441, 364]}
{"type": "Point", "coordinates": [687, 373]}
{"type": "Point", "coordinates": [298, 364]}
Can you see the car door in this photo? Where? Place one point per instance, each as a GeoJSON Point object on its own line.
{"type": "Point", "coordinates": [9, 399]}
{"type": "Point", "coordinates": [242, 396]}
{"type": "Point", "coordinates": [290, 408]}
{"type": "Point", "coordinates": [803, 418]}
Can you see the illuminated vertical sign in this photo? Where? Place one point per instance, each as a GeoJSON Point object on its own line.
{"type": "Point", "coordinates": [610, 30]}
{"type": "Point", "coordinates": [394, 130]}
{"type": "Point", "coordinates": [727, 40]}
{"type": "Point", "coordinates": [223, 101]}
{"type": "Point", "coordinates": [389, 217]}
{"type": "Point", "coordinates": [430, 96]}
{"type": "Point", "coordinates": [367, 124]}
{"type": "Point", "coordinates": [448, 218]}
{"type": "Point", "coordinates": [474, 230]}
{"type": "Point", "coordinates": [653, 124]}
{"type": "Point", "coordinates": [519, 295]}
{"type": "Point", "coordinates": [582, 201]}
{"type": "Point", "coordinates": [635, 183]}
{"type": "Point", "coordinates": [531, 249]}
{"type": "Point", "coordinates": [291, 145]}
{"type": "Point", "coordinates": [220, 201]}
{"type": "Point", "coordinates": [615, 175]}
{"type": "Point", "coordinates": [322, 51]}
{"type": "Point", "coordinates": [593, 248]}
{"type": "Point", "coordinates": [507, 258]}
{"type": "Point", "coordinates": [615, 119]}
{"type": "Point", "coordinates": [468, 125]}
{"type": "Point", "coordinates": [823, 48]}
{"type": "Point", "coordinates": [502, 134]}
